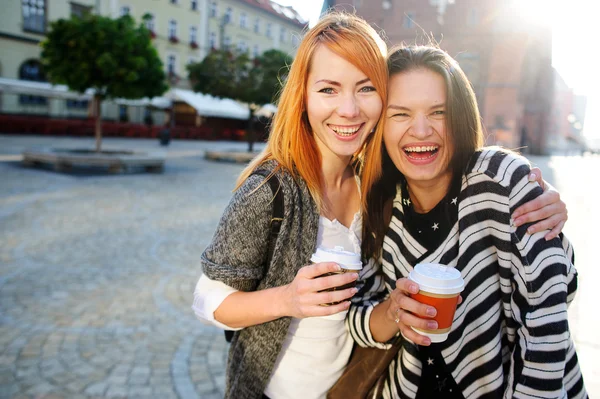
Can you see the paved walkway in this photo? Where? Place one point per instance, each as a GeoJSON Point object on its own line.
{"type": "Point", "coordinates": [97, 273]}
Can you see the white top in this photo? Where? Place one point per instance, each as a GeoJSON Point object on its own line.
{"type": "Point", "coordinates": [316, 349]}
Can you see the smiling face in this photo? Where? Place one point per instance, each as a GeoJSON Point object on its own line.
{"type": "Point", "coordinates": [415, 133]}
{"type": "Point", "coordinates": [342, 105]}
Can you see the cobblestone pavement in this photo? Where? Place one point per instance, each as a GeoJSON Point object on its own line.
{"type": "Point", "coordinates": [97, 273]}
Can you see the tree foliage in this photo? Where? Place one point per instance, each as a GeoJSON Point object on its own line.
{"type": "Point", "coordinates": [270, 71]}
{"type": "Point", "coordinates": [231, 74]}
{"type": "Point", "coordinates": [113, 56]}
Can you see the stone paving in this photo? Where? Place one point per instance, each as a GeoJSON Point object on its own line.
{"type": "Point", "coordinates": [97, 273]}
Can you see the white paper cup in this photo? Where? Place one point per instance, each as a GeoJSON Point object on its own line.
{"type": "Point", "coordinates": [440, 287]}
{"type": "Point", "coordinates": [348, 261]}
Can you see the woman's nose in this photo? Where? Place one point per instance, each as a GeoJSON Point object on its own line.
{"type": "Point", "coordinates": [421, 127]}
{"type": "Point", "coordinates": [348, 107]}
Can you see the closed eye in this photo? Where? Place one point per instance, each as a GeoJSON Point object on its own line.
{"type": "Point", "coordinates": [438, 114]}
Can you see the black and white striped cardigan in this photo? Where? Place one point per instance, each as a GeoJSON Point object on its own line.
{"type": "Point", "coordinates": [510, 336]}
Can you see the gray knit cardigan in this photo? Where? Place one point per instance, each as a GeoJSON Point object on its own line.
{"type": "Point", "coordinates": [237, 257]}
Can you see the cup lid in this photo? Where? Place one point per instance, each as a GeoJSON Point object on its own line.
{"type": "Point", "coordinates": [437, 278]}
{"type": "Point", "coordinates": [346, 259]}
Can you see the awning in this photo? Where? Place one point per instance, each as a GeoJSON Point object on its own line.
{"type": "Point", "coordinates": [211, 106]}
{"type": "Point", "coordinates": [45, 89]}
{"type": "Point", "coordinates": [204, 104]}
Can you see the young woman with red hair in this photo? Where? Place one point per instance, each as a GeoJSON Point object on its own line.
{"type": "Point", "coordinates": [324, 136]}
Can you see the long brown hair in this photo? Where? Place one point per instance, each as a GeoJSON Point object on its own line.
{"type": "Point", "coordinates": [463, 124]}
{"type": "Point", "coordinates": [291, 142]}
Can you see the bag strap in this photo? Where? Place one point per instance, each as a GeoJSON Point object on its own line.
{"type": "Point", "coordinates": [276, 220]}
{"type": "Point", "coordinates": [278, 204]}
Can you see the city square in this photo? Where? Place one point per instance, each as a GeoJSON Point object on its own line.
{"type": "Point", "coordinates": [97, 271]}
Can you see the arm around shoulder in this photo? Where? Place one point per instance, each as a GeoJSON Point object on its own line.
{"type": "Point", "coordinates": [544, 282]}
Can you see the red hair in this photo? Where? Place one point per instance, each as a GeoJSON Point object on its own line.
{"type": "Point", "coordinates": [291, 142]}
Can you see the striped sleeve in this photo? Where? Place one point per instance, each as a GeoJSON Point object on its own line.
{"type": "Point", "coordinates": [371, 292]}
{"type": "Point", "coordinates": [544, 281]}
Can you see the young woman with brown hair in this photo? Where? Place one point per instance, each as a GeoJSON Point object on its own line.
{"type": "Point", "coordinates": [452, 205]}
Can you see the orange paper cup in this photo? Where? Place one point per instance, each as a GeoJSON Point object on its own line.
{"type": "Point", "coordinates": [439, 286]}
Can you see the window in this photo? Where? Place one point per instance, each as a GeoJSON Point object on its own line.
{"type": "Point", "coordinates": [282, 35]}
{"type": "Point", "coordinates": [77, 104]}
{"type": "Point", "coordinates": [242, 47]}
{"type": "Point", "coordinates": [255, 51]}
{"type": "Point", "coordinates": [228, 15]}
{"type": "Point", "coordinates": [227, 41]}
{"type": "Point", "coordinates": [79, 10]}
{"type": "Point", "coordinates": [194, 5]}
{"type": "Point", "coordinates": [172, 29]}
{"type": "Point", "coordinates": [409, 20]}
{"type": "Point", "coordinates": [473, 17]}
{"type": "Point", "coordinates": [214, 10]}
{"type": "Point", "coordinates": [150, 23]}
{"type": "Point", "coordinates": [500, 122]}
{"type": "Point", "coordinates": [125, 10]}
{"type": "Point", "coordinates": [193, 34]}
{"type": "Point", "coordinates": [268, 31]}
{"type": "Point", "coordinates": [123, 115]}
{"type": "Point", "coordinates": [171, 64]}
{"type": "Point", "coordinates": [243, 23]}
{"type": "Point", "coordinates": [34, 15]}
{"type": "Point", "coordinates": [257, 25]}
{"type": "Point", "coordinates": [212, 40]}
{"type": "Point", "coordinates": [174, 1]}
{"type": "Point", "coordinates": [295, 40]}
{"type": "Point", "coordinates": [32, 70]}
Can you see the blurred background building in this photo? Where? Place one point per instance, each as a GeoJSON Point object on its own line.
{"type": "Point", "coordinates": [183, 31]}
{"type": "Point", "coordinates": [505, 50]}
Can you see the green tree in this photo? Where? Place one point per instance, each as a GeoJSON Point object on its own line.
{"type": "Point", "coordinates": [230, 74]}
{"type": "Point", "coordinates": [269, 72]}
{"type": "Point", "coordinates": [114, 57]}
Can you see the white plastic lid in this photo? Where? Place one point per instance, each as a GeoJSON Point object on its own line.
{"type": "Point", "coordinates": [437, 279]}
{"type": "Point", "coordinates": [347, 260]}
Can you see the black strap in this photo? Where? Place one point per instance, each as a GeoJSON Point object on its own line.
{"type": "Point", "coordinates": [277, 216]}
{"type": "Point", "coordinates": [276, 220]}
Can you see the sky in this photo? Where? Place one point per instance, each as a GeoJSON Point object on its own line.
{"type": "Point", "coordinates": [574, 52]}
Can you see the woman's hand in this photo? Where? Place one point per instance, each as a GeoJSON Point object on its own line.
{"type": "Point", "coordinates": [548, 209]}
{"type": "Point", "coordinates": [303, 299]}
{"type": "Point", "coordinates": [406, 312]}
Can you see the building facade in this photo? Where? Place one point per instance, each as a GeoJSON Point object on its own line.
{"type": "Point", "coordinates": [505, 51]}
{"type": "Point", "coordinates": [183, 31]}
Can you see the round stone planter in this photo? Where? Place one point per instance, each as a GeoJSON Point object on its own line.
{"type": "Point", "coordinates": [115, 161]}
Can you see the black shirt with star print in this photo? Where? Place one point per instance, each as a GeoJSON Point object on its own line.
{"type": "Point", "coordinates": [430, 229]}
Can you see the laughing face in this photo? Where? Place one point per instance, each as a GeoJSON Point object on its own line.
{"type": "Point", "coordinates": [415, 127]}
{"type": "Point", "coordinates": [342, 105]}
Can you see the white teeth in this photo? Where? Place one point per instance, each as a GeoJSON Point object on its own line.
{"type": "Point", "coordinates": [421, 149]}
{"type": "Point", "coordinates": [345, 131]}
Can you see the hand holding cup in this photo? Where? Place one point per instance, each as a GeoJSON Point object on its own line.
{"type": "Point", "coordinates": [439, 287]}
{"type": "Point", "coordinates": [313, 286]}
{"type": "Point", "coordinates": [408, 313]}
